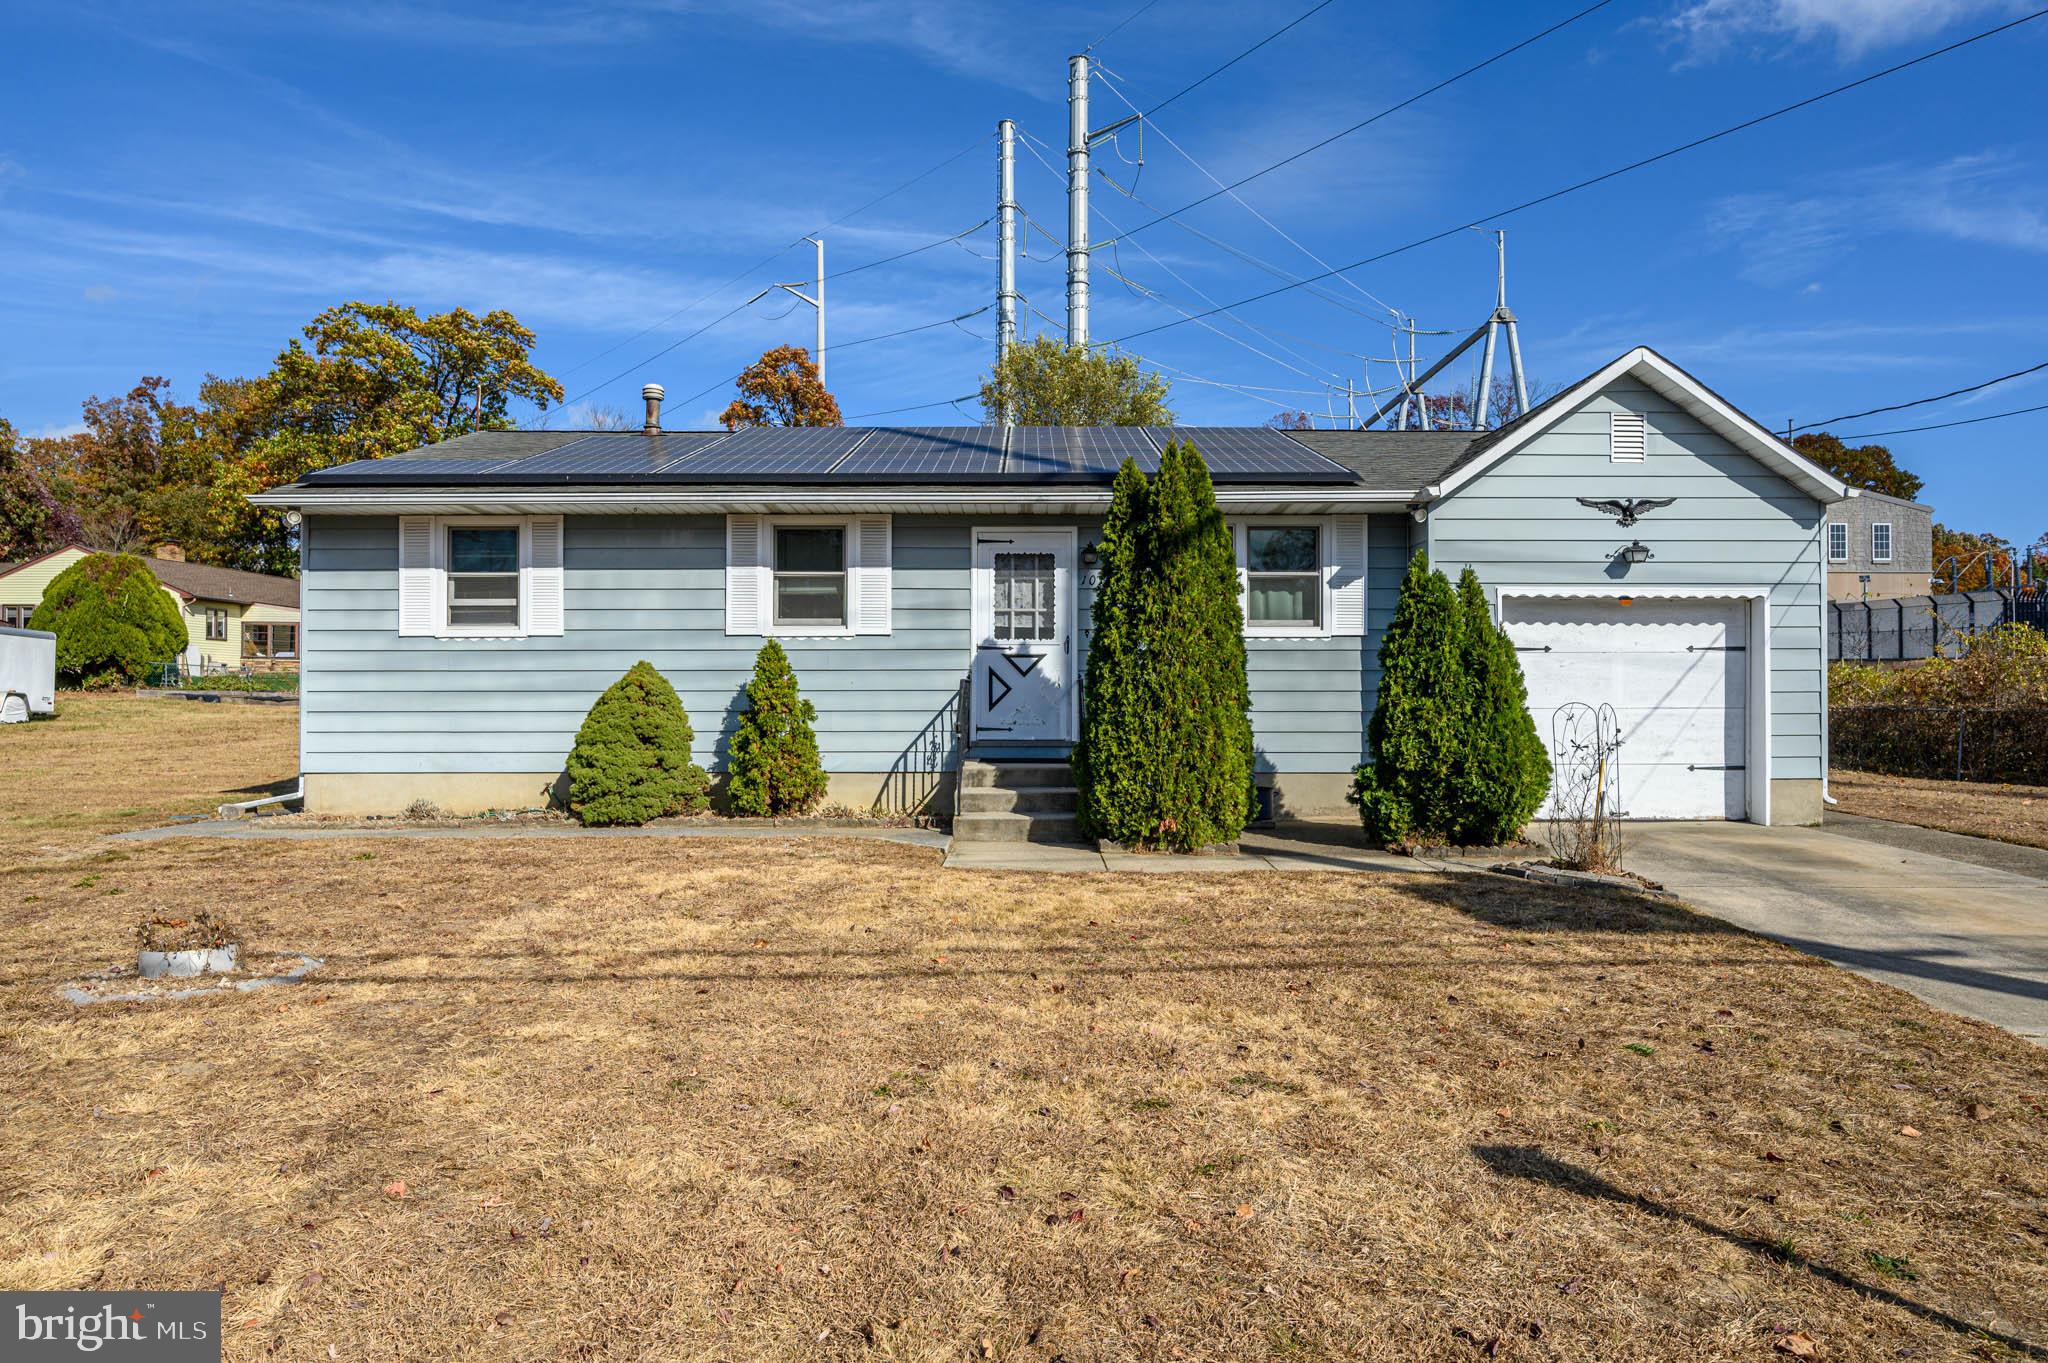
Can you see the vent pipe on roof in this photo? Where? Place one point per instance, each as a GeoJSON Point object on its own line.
{"type": "Point", "coordinates": [654, 393]}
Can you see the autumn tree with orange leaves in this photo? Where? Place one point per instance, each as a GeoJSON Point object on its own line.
{"type": "Point", "coordinates": [782, 389]}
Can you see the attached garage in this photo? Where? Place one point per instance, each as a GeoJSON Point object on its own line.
{"type": "Point", "coordinates": [1680, 675]}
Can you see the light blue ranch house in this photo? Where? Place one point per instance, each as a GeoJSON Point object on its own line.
{"type": "Point", "coordinates": [1647, 546]}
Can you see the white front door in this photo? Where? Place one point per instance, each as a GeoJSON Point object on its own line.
{"type": "Point", "coordinates": [1676, 673]}
{"type": "Point", "coordinates": [1023, 677]}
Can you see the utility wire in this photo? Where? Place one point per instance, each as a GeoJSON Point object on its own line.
{"type": "Point", "coordinates": [915, 250]}
{"type": "Point", "coordinates": [1944, 425]}
{"type": "Point", "coordinates": [1384, 113]}
{"type": "Point", "coordinates": [1194, 85]}
{"type": "Point", "coordinates": [918, 407]}
{"type": "Point", "coordinates": [1618, 171]}
{"type": "Point", "coordinates": [774, 255]}
{"type": "Point", "coordinates": [848, 345]}
{"type": "Point", "coordinates": [1922, 402]}
{"type": "Point", "coordinates": [1119, 27]}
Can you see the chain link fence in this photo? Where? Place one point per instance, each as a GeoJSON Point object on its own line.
{"type": "Point", "coordinates": [1942, 743]}
{"type": "Point", "coordinates": [1909, 628]}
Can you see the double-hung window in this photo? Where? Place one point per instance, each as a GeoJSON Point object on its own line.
{"type": "Point", "coordinates": [810, 576]}
{"type": "Point", "coordinates": [1283, 577]}
{"type": "Point", "coordinates": [483, 577]}
{"type": "Point", "coordinates": [1838, 542]}
{"type": "Point", "coordinates": [216, 623]}
{"type": "Point", "coordinates": [1881, 542]}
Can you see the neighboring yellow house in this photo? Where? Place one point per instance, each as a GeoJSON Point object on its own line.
{"type": "Point", "coordinates": [235, 620]}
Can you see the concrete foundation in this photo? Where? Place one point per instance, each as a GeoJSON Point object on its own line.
{"type": "Point", "coordinates": [1796, 803]}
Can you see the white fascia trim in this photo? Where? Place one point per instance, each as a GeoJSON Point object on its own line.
{"type": "Point", "coordinates": [1668, 379]}
{"type": "Point", "coordinates": [782, 500]}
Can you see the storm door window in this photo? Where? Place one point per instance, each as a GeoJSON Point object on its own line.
{"type": "Point", "coordinates": [1025, 591]}
{"type": "Point", "coordinates": [1284, 578]}
{"type": "Point", "coordinates": [810, 575]}
{"type": "Point", "coordinates": [483, 576]}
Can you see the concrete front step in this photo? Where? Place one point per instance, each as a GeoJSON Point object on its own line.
{"type": "Point", "coordinates": [1024, 800]}
{"type": "Point", "coordinates": [980, 773]}
{"type": "Point", "coordinates": [994, 827]}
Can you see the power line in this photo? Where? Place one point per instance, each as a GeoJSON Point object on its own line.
{"type": "Point", "coordinates": [1119, 27]}
{"type": "Point", "coordinates": [1191, 86]}
{"type": "Point", "coordinates": [848, 345]}
{"type": "Point", "coordinates": [1384, 113]}
{"type": "Point", "coordinates": [1944, 425]}
{"type": "Point", "coordinates": [918, 407]}
{"type": "Point", "coordinates": [768, 259]}
{"type": "Point", "coordinates": [915, 250]}
{"type": "Point", "coordinates": [1631, 166]}
{"type": "Point", "coordinates": [1922, 402]}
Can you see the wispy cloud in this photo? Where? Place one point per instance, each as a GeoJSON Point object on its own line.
{"type": "Point", "coordinates": [1990, 198]}
{"type": "Point", "coordinates": [1710, 29]}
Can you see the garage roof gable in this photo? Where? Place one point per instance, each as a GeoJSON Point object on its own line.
{"type": "Point", "coordinates": [1655, 371]}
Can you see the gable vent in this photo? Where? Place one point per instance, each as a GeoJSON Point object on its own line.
{"type": "Point", "coordinates": [1627, 436]}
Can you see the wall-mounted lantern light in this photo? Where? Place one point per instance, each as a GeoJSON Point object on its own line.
{"type": "Point", "coordinates": [1089, 557]}
{"type": "Point", "coordinates": [1636, 552]}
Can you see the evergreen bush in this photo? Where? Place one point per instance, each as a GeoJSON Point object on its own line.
{"type": "Point", "coordinates": [631, 761]}
{"type": "Point", "coordinates": [774, 766]}
{"type": "Point", "coordinates": [1165, 757]}
{"type": "Point", "coordinates": [112, 619]}
{"type": "Point", "coordinates": [1108, 760]}
{"type": "Point", "coordinates": [1419, 719]}
{"type": "Point", "coordinates": [1502, 771]}
{"type": "Point", "coordinates": [1199, 732]}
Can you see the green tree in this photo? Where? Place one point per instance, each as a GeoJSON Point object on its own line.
{"type": "Point", "coordinates": [781, 388]}
{"type": "Point", "coordinates": [1046, 382]}
{"type": "Point", "coordinates": [33, 519]}
{"type": "Point", "coordinates": [1502, 771]}
{"type": "Point", "coordinates": [631, 761]}
{"type": "Point", "coordinates": [1194, 645]}
{"type": "Point", "coordinates": [1974, 561]}
{"type": "Point", "coordinates": [1405, 790]}
{"type": "Point", "coordinates": [369, 380]}
{"type": "Point", "coordinates": [1866, 466]}
{"type": "Point", "coordinates": [112, 620]}
{"type": "Point", "coordinates": [1116, 710]}
{"type": "Point", "coordinates": [773, 766]}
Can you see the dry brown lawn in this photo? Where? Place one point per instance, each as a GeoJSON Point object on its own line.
{"type": "Point", "coordinates": [615, 1098]}
{"type": "Point", "coordinates": [112, 760]}
{"type": "Point", "coordinates": [1984, 809]}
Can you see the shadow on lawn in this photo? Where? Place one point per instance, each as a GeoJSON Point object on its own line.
{"type": "Point", "coordinates": [1531, 1163]}
{"type": "Point", "coordinates": [1530, 906]}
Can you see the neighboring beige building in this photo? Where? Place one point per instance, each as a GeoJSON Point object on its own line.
{"type": "Point", "coordinates": [235, 620]}
{"type": "Point", "coordinates": [1878, 547]}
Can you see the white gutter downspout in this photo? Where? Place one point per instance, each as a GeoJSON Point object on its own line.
{"type": "Point", "coordinates": [235, 811]}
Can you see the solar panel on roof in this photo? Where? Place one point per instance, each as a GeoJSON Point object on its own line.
{"type": "Point", "coordinates": [1054, 451]}
{"type": "Point", "coordinates": [785, 451]}
{"type": "Point", "coordinates": [927, 451]}
{"type": "Point", "coordinates": [425, 470]}
{"type": "Point", "coordinates": [1241, 452]}
{"type": "Point", "coordinates": [620, 452]}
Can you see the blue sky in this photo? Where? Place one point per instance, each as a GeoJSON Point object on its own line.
{"type": "Point", "coordinates": [181, 190]}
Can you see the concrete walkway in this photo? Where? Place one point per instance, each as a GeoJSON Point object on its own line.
{"type": "Point", "coordinates": [1960, 922]}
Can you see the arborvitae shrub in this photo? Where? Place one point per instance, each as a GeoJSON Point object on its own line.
{"type": "Point", "coordinates": [1502, 771]}
{"type": "Point", "coordinates": [774, 766]}
{"type": "Point", "coordinates": [112, 620]}
{"type": "Point", "coordinates": [1418, 722]}
{"type": "Point", "coordinates": [1165, 757]}
{"type": "Point", "coordinates": [631, 762]}
{"type": "Point", "coordinates": [1200, 733]}
{"type": "Point", "coordinates": [1115, 710]}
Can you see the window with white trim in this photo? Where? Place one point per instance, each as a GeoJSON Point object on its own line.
{"type": "Point", "coordinates": [809, 568]}
{"type": "Point", "coordinates": [15, 617]}
{"type": "Point", "coordinates": [1838, 542]}
{"type": "Point", "coordinates": [1283, 576]}
{"type": "Point", "coordinates": [483, 576]}
{"type": "Point", "coordinates": [1881, 542]}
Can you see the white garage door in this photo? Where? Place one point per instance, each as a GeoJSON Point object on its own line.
{"type": "Point", "coordinates": [1676, 673]}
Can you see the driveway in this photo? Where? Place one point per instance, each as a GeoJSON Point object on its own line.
{"type": "Point", "coordinates": [1959, 921]}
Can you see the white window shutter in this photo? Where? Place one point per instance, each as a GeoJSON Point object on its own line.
{"type": "Point", "coordinates": [871, 575]}
{"type": "Point", "coordinates": [544, 575]}
{"type": "Point", "coordinates": [1627, 437]}
{"type": "Point", "coordinates": [419, 580]}
{"type": "Point", "coordinates": [746, 573]}
{"type": "Point", "coordinates": [1347, 577]}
